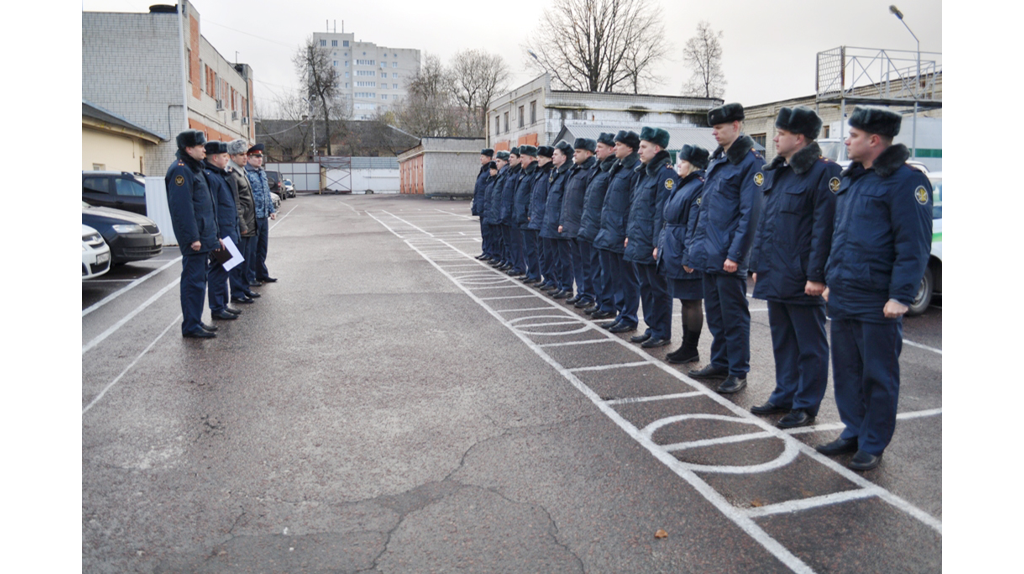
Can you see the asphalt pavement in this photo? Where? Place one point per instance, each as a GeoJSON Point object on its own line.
{"type": "Point", "coordinates": [393, 405]}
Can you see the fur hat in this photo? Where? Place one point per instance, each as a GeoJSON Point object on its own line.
{"type": "Point", "coordinates": [492, 165]}
{"type": "Point", "coordinates": [585, 144]}
{"type": "Point", "coordinates": [487, 152]}
{"type": "Point", "coordinates": [528, 150]}
{"type": "Point", "coordinates": [696, 155]}
{"type": "Point", "coordinates": [606, 139]}
{"type": "Point", "coordinates": [799, 120]}
{"type": "Point", "coordinates": [502, 155]}
{"type": "Point", "coordinates": [514, 151]}
{"type": "Point", "coordinates": [545, 151]}
{"type": "Point", "coordinates": [656, 136]}
{"type": "Point", "coordinates": [565, 147]}
{"type": "Point", "coordinates": [875, 120]}
{"type": "Point", "coordinates": [628, 138]}
{"type": "Point", "coordinates": [236, 147]}
{"type": "Point", "coordinates": [190, 138]}
{"type": "Point", "coordinates": [725, 114]}
{"type": "Point", "coordinates": [215, 146]}
{"type": "Point", "coordinates": [256, 148]}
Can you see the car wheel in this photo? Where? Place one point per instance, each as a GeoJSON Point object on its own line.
{"type": "Point", "coordinates": [924, 294]}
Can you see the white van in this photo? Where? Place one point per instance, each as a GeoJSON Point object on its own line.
{"type": "Point", "coordinates": [931, 283]}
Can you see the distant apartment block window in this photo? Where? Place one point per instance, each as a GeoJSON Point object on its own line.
{"type": "Point", "coordinates": [346, 63]}
{"type": "Point", "coordinates": [383, 96]}
{"type": "Point", "coordinates": [383, 74]}
{"type": "Point", "coordinates": [533, 112]}
{"type": "Point", "coordinates": [346, 84]}
{"type": "Point", "coordinates": [366, 84]}
{"type": "Point", "coordinates": [366, 63]}
{"type": "Point", "coordinates": [369, 73]}
{"type": "Point", "coordinates": [394, 86]}
{"type": "Point", "coordinates": [522, 116]}
{"type": "Point", "coordinates": [323, 43]}
{"type": "Point", "coordinates": [367, 95]}
{"type": "Point", "coordinates": [335, 63]}
{"type": "Point", "coordinates": [394, 64]}
{"type": "Point", "coordinates": [395, 55]}
{"type": "Point", "coordinates": [334, 43]}
{"type": "Point", "coordinates": [189, 50]}
{"type": "Point", "coordinates": [394, 75]}
{"type": "Point", "coordinates": [383, 64]}
{"type": "Point", "coordinates": [345, 44]}
{"type": "Point", "coordinates": [506, 122]}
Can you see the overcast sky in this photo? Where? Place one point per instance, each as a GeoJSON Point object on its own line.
{"type": "Point", "coordinates": [769, 47]}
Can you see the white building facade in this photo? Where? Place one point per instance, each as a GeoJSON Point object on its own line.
{"type": "Point", "coordinates": [371, 77]}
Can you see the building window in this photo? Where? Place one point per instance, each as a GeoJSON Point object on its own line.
{"type": "Point", "coordinates": [368, 73]}
{"type": "Point", "coordinates": [394, 86]}
{"type": "Point", "coordinates": [533, 112]}
{"type": "Point", "coordinates": [346, 75]}
{"type": "Point", "coordinates": [506, 122]}
{"type": "Point", "coordinates": [383, 74]}
{"type": "Point", "coordinates": [383, 96]}
{"type": "Point", "coordinates": [383, 64]}
{"type": "Point", "coordinates": [323, 43]}
{"type": "Point", "coordinates": [334, 43]}
{"type": "Point", "coordinates": [394, 75]}
{"type": "Point", "coordinates": [497, 124]}
{"type": "Point", "coordinates": [759, 139]}
{"type": "Point", "coordinates": [345, 43]}
{"type": "Point", "coordinates": [366, 84]}
{"type": "Point", "coordinates": [522, 116]}
{"type": "Point", "coordinates": [825, 131]}
{"type": "Point", "coordinates": [346, 63]}
{"type": "Point", "coordinates": [335, 63]}
{"type": "Point", "coordinates": [366, 63]}
{"type": "Point", "coordinates": [394, 64]}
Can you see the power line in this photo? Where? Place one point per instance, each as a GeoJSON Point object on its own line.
{"type": "Point", "coordinates": [205, 21]}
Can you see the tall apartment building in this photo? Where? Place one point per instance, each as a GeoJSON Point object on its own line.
{"type": "Point", "coordinates": [372, 77]}
{"type": "Point", "coordinates": [157, 71]}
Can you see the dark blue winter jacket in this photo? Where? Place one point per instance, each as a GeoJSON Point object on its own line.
{"type": "Point", "coordinates": [521, 204]}
{"type": "Point", "coordinates": [615, 210]}
{"type": "Point", "coordinates": [553, 206]}
{"type": "Point", "coordinates": [191, 205]}
{"type": "Point", "coordinates": [680, 220]}
{"type": "Point", "coordinates": [572, 202]}
{"type": "Point", "coordinates": [643, 228]}
{"type": "Point", "coordinates": [593, 199]}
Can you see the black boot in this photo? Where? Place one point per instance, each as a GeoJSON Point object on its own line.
{"type": "Point", "coordinates": [687, 353]}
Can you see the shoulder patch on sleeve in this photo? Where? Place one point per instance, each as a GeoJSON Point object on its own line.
{"type": "Point", "coordinates": [921, 194]}
{"type": "Point", "coordinates": [179, 180]}
{"type": "Point", "coordinates": [669, 184]}
{"type": "Point", "coordinates": [758, 179]}
{"type": "Point", "coordinates": [833, 184]}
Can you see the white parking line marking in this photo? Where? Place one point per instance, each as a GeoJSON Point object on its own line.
{"type": "Point", "coordinates": [920, 346]}
{"type": "Point", "coordinates": [608, 367]}
{"type": "Point", "coordinates": [496, 298]}
{"type": "Point", "coordinates": [526, 309]}
{"type": "Point", "coordinates": [716, 441]}
{"type": "Point", "coordinates": [840, 426]}
{"type": "Point", "coordinates": [570, 343]}
{"type": "Point", "coordinates": [128, 287]}
{"type": "Point", "coordinates": [632, 400]}
{"type": "Point", "coordinates": [791, 506]}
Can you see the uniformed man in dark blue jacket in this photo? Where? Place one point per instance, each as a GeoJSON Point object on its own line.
{"type": "Point", "coordinates": [792, 245]}
{"type": "Point", "coordinates": [558, 245]}
{"type": "Point", "coordinates": [590, 225]}
{"type": "Point", "coordinates": [479, 201]}
{"type": "Point", "coordinates": [538, 202]}
{"type": "Point", "coordinates": [643, 229]}
{"type": "Point", "coordinates": [521, 213]}
{"type": "Point", "coordinates": [214, 169]}
{"type": "Point", "coordinates": [880, 248]}
{"type": "Point", "coordinates": [729, 211]}
{"type": "Point", "coordinates": [611, 239]}
{"type": "Point", "coordinates": [493, 211]}
{"type": "Point", "coordinates": [509, 230]}
{"type": "Point", "coordinates": [194, 220]}
{"type": "Point", "coordinates": [580, 174]}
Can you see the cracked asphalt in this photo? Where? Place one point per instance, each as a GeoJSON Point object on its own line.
{"type": "Point", "coordinates": [366, 415]}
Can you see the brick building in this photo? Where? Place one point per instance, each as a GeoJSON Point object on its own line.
{"type": "Point", "coordinates": [157, 71]}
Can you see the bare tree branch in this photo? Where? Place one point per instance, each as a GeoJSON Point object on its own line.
{"type": "Point", "coordinates": [319, 79]}
{"type": "Point", "coordinates": [703, 53]}
{"type": "Point", "coordinates": [476, 77]}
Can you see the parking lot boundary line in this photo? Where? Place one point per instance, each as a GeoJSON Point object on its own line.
{"type": "Point", "coordinates": [840, 426]}
{"type": "Point", "coordinates": [634, 400]}
{"type": "Point", "coordinates": [97, 398]}
{"type": "Point", "coordinates": [128, 287]}
{"type": "Point", "coordinates": [571, 343]}
{"type": "Point", "coordinates": [511, 297]}
{"type": "Point", "coordinates": [791, 506]}
{"type": "Point", "coordinates": [113, 328]}
{"type": "Point", "coordinates": [920, 346]}
{"type": "Point", "coordinates": [717, 441]}
{"type": "Point", "coordinates": [527, 309]}
{"type": "Point", "coordinates": [609, 367]}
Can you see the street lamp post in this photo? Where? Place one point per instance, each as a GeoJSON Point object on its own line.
{"type": "Point", "coordinates": [917, 81]}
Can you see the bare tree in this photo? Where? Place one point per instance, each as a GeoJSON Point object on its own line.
{"type": "Point", "coordinates": [598, 45]}
{"type": "Point", "coordinates": [429, 108]}
{"type": "Point", "coordinates": [476, 77]}
{"type": "Point", "coordinates": [320, 83]}
{"type": "Point", "coordinates": [703, 53]}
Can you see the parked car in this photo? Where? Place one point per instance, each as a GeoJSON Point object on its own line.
{"type": "Point", "coordinates": [275, 199]}
{"type": "Point", "coordinates": [289, 188]}
{"type": "Point", "coordinates": [117, 189]}
{"type": "Point", "coordinates": [130, 236]}
{"type": "Point", "coordinates": [274, 181]}
{"type": "Point", "coordinates": [931, 283]}
{"type": "Point", "coordinates": [95, 254]}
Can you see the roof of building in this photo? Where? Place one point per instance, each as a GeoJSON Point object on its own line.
{"type": "Point", "coordinates": [108, 117]}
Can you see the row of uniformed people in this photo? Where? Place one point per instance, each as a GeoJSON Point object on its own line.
{"type": "Point", "coordinates": [210, 198]}
{"type": "Point", "coordinates": [624, 224]}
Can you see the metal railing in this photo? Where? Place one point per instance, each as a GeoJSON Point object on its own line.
{"type": "Point", "coordinates": [888, 76]}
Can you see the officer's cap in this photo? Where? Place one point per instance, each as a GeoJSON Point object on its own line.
{"type": "Point", "coordinates": [656, 136]}
{"type": "Point", "coordinates": [725, 114]}
{"type": "Point", "coordinates": [564, 147]}
{"type": "Point", "coordinates": [528, 150]}
{"type": "Point", "coordinates": [236, 147]}
{"type": "Point", "coordinates": [799, 120]}
{"type": "Point", "coordinates": [696, 155]}
{"type": "Point", "coordinates": [606, 139]}
{"type": "Point", "coordinates": [487, 152]}
{"type": "Point", "coordinates": [258, 148]}
{"type": "Point", "coordinates": [502, 155]}
{"type": "Point", "coordinates": [215, 146]}
{"type": "Point", "coordinates": [629, 138]}
{"type": "Point", "coordinates": [190, 138]}
{"type": "Point", "coordinates": [875, 120]}
{"type": "Point", "coordinates": [545, 151]}
{"type": "Point", "coordinates": [585, 144]}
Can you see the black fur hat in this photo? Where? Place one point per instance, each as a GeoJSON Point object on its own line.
{"type": "Point", "coordinates": [502, 155]}
{"type": "Point", "coordinates": [606, 139]}
{"type": "Point", "coordinates": [628, 138]}
{"type": "Point", "coordinates": [799, 120]}
{"type": "Point", "coordinates": [696, 155]}
{"type": "Point", "coordinates": [875, 120]}
{"type": "Point", "coordinates": [528, 150]}
{"type": "Point", "coordinates": [514, 151]}
{"type": "Point", "coordinates": [487, 152]}
{"type": "Point", "coordinates": [190, 138]}
{"type": "Point", "coordinates": [656, 136]}
{"type": "Point", "coordinates": [725, 114]}
{"type": "Point", "coordinates": [565, 147]}
{"type": "Point", "coordinates": [585, 144]}
{"type": "Point", "coordinates": [492, 165]}
{"type": "Point", "coordinates": [545, 151]}
{"type": "Point", "coordinates": [216, 147]}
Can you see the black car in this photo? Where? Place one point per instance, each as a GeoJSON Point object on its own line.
{"type": "Point", "coordinates": [274, 181]}
{"type": "Point", "coordinates": [131, 237]}
{"type": "Point", "coordinates": [117, 189]}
